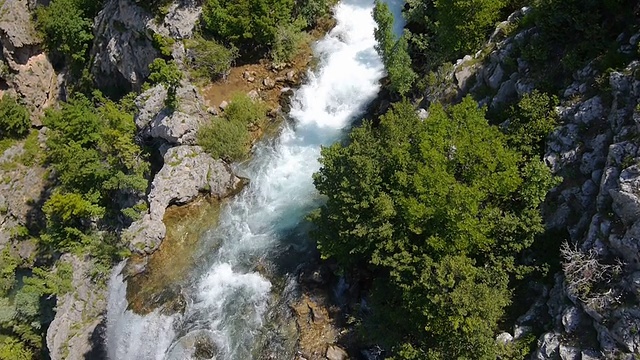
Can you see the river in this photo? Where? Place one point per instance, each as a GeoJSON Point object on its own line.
{"type": "Point", "coordinates": [229, 292]}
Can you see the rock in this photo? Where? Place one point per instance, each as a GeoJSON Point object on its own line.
{"type": "Point", "coordinates": [496, 77]}
{"type": "Point", "coordinates": [506, 93]}
{"type": "Point", "coordinates": [79, 313]}
{"type": "Point", "coordinates": [32, 75]}
{"type": "Point", "coordinates": [181, 18]}
{"type": "Point", "coordinates": [571, 319]}
{"type": "Point", "coordinates": [20, 40]}
{"type": "Point", "coordinates": [463, 73]}
{"type": "Point", "coordinates": [548, 346]}
{"type": "Point", "coordinates": [37, 83]}
{"type": "Point", "coordinates": [569, 352]}
{"type": "Point", "coordinates": [223, 105]}
{"type": "Point", "coordinates": [626, 330]}
{"type": "Point", "coordinates": [123, 47]}
{"type": "Point", "coordinates": [504, 338]}
{"type": "Point", "coordinates": [372, 353]}
{"type": "Point", "coordinates": [269, 83]}
{"type": "Point", "coordinates": [253, 95]}
{"type": "Point", "coordinates": [187, 172]}
{"type": "Point", "coordinates": [334, 352]}
{"type": "Point", "coordinates": [520, 331]}
{"type": "Point", "coordinates": [422, 113]}
{"type": "Point", "coordinates": [590, 354]}
{"type": "Point", "coordinates": [589, 110]}
{"type": "Point", "coordinates": [291, 76]}
{"type": "Point", "coordinates": [212, 110]}
{"type": "Point", "coordinates": [176, 126]}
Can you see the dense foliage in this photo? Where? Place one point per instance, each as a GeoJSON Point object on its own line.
{"type": "Point", "coordinates": [96, 161]}
{"type": "Point", "coordinates": [442, 207]}
{"type": "Point", "coordinates": [227, 137]}
{"type": "Point", "coordinates": [15, 121]}
{"type": "Point", "coordinates": [209, 59]}
{"type": "Point", "coordinates": [67, 28]}
{"type": "Point", "coordinates": [394, 53]}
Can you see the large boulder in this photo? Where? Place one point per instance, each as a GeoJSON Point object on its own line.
{"type": "Point", "coordinates": [79, 314]}
{"type": "Point", "coordinates": [188, 171]}
{"type": "Point", "coordinates": [176, 126]}
{"type": "Point", "coordinates": [123, 47]}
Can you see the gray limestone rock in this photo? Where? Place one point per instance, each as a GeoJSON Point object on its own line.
{"type": "Point", "coordinates": [548, 346]}
{"type": "Point", "coordinates": [78, 313]}
{"type": "Point", "coordinates": [187, 172]}
{"type": "Point", "coordinates": [123, 47]}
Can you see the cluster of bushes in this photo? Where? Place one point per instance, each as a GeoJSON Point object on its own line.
{"type": "Point", "coordinates": [66, 26]}
{"type": "Point", "coordinates": [227, 137]}
{"type": "Point", "coordinates": [258, 27]}
{"type": "Point", "coordinates": [21, 305]}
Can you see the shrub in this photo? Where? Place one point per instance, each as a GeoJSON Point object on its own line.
{"type": "Point", "coordinates": [167, 74]}
{"type": "Point", "coordinates": [209, 59]}
{"type": "Point", "coordinates": [247, 22]}
{"type": "Point", "coordinates": [289, 39]}
{"type": "Point", "coordinates": [224, 139]}
{"type": "Point", "coordinates": [245, 111]}
{"type": "Point", "coordinates": [14, 118]}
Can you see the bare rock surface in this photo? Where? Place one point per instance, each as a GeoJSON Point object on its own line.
{"type": "Point", "coordinates": [188, 171]}
{"type": "Point", "coordinates": [78, 313]}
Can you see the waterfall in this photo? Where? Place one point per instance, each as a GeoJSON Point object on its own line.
{"type": "Point", "coordinates": [227, 298]}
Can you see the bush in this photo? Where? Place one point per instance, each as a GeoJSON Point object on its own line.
{"type": "Point", "coordinates": [245, 111]}
{"type": "Point", "coordinates": [209, 59]}
{"type": "Point", "coordinates": [440, 208]}
{"type": "Point", "coordinates": [531, 120]}
{"type": "Point", "coordinates": [167, 74]}
{"type": "Point", "coordinates": [247, 22]}
{"type": "Point", "coordinates": [288, 42]}
{"type": "Point", "coordinates": [224, 139]}
{"type": "Point", "coordinates": [14, 118]}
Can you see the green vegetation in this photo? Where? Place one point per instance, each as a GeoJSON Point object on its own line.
{"type": "Point", "coordinates": [209, 59]}
{"type": "Point", "coordinates": [66, 26]}
{"type": "Point", "coordinates": [95, 158]}
{"type": "Point", "coordinates": [440, 209]}
{"type": "Point", "coordinates": [260, 27]}
{"type": "Point", "coordinates": [167, 74]}
{"type": "Point", "coordinates": [15, 121]}
{"type": "Point", "coordinates": [288, 42]}
{"type": "Point", "coordinates": [444, 30]}
{"type": "Point", "coordinates": [228, 137]}
{"type": "Point", "coordinates": [394, 54]}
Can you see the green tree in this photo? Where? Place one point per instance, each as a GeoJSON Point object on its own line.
{"type": "Point", "coordinates": [441, 209]}
{"type": "Point", "coordinates": [15, 121]}
{"type": "Point", "coordinates": [66, 26]}
{"type": "Point", "coordinates": [210, 59]}
{"type": "Point", "coordinates": [167, 74]}
{"type": "Point", "coordinates": [463, 25]}
{"type": "Point", "coordinates": [531, 120]}
{"type": "Point", "coordinates": [247, 22]}
{"type": "Point", "coordinates": [394, 53]}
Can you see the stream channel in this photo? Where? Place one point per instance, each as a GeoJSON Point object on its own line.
{"type": "Point", "coordinates": [261, 236]}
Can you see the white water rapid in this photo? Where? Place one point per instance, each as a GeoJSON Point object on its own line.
{"type": "Point", "coordinates": [227, 298]}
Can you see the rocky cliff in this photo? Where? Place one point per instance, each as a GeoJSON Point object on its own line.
{"type": "Point", "coordinates": [592, 310]}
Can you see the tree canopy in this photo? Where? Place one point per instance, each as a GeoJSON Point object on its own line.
{"type": "Point", "coordinates": [443, 207]}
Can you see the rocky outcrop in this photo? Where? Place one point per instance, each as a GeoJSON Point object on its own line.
{"type": "Point", "coordinates": [123, 47]}
{"type": "Point", "coordinates": [187, 172]}
{"type": "Point", "coordinates": [79, 314]}
{"type": "Point", "coordinates": [593, 309]}
{"type": "Point", "coordinates": [21, 188]}
{"type": "Point", "coordinates": [598, 205]}
{"type": "Point", "coordinates": [124, 31]}
{"type": "Point", "coordinates": [26, 71]}
{"type": "Point", "coordinates": [175, 126]}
